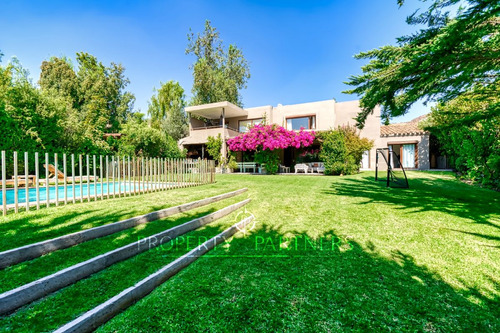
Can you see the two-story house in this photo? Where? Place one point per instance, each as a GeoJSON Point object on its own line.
{"type": "Point", "coordinates": [229, 120]}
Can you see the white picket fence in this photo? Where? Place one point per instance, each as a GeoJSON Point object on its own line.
{"type": "Point", "coordinates": [91, 177]}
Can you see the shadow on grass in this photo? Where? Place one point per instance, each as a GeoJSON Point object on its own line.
{"type": "Point", "coordinates": [254, 284]}
{"type": "Point", "coordinates": [25, 272]}
{"type": "Point", "coordinates": [31, 229]}
{"type": "Point", "coordinates": [36, 226]}
{"type": "Point", "coordinates": [441, 195]}
{"type": "Point", "coordinates": [68, 303]}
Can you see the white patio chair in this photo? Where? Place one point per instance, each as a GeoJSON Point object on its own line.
{"type": "Point", "coordinates": [302, 167]}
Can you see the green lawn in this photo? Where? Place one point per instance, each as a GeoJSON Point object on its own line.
{"type": "Point", "coordinates": [359, 256]}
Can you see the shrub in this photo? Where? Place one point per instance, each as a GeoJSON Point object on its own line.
{"type": "Point", "coordinates": [214, 147]}
{"type": "Point", "coordinates": [473, 145]}
{"type": "Point", "coordinates": [270, 159]}
{"type": "Point", "coordinates": [142, 140]}
{"type": "Point", "coordinates": [342, 150]}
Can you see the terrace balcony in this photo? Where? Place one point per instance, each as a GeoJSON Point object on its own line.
{"type": "Point", "coordinates": [200, 134]}
{"type": "Point", "coordinates": [214, 113]}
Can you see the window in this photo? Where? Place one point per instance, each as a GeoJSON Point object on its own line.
{"type": "Point", "coordinates": [244, 125]}
{"type": "Point", "coordinates": [308, 122]}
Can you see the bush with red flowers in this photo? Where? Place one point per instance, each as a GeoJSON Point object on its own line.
{"type": "Point", "coordinates": [267, 140]}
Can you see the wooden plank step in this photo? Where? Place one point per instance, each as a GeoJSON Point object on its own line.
{"type": "Point", "coordinates": [15, 298]}
{"type": "Point", "coordinates": [35, 250]}
{"type": "Point", "coordinates": [94, 318]}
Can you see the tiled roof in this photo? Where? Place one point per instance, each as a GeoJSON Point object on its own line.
{"type": "Point", "coordinates": [408, 128]}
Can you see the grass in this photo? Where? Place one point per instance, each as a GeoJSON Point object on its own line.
{"type": "Point", "coordinates": [359, 257]}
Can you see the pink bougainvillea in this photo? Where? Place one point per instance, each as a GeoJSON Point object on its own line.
{"type": "Point", "coordinates": [270, 137]}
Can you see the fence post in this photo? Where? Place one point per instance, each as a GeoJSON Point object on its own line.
{"type": "Point", "coordinates": [167, 172]}
{"type": "Point", "coordinates": [141, 188]}
{"type": "Point", "coordinates": [26, 181]}
{"type": "Point", "coordinates": [73, 177]}
{"type": "Point", "coordinates": [107, 177]}
{"type": "Point", "coordinates": [164, 168]}
{"type": "Point", "coordinates": [56, 165]}
{"type": "Point", "coordinates": [47, 196]}
{"type": "Point", "coordinates": [80, 166]}
{"type": "Point", "coordinates": [119, 178]}
{"type": "Point", "coordinates": [129, 180]}
{"type": "Point", "coordinates": [65, 180]}
{"type": "Point", "coordinates": [124, 177]}
{"type": "Point", "coordinates": [87, 158]}
{"type": "Point", "coordinates": [153, 174]}
{"type": "Point", "coordinates": [179, 172]}
{"type": "Point", "coordinates": [113, 174]}
{"type": "Point", "coordinates": [150, 165]}
{"type": "Point", "coordinates": [4, 184]}
{"type": "Point", "coordinates": [146, 170]}
{"type": "Point", "coordinates": [95, 177]}
{"type": "Point", "coordinates": [134, 179]}
{"type": "Point", "coordinates": [187, 162]}
{"type": "Point", "coordinates": [101, 175]}
{"type": "Point", "coordinates": [37, 180]}
{"type": "Point", "coordinates": [157, 165]}
{"type": "Point", "coordinates": [184, 173]}
{"type": "Point", "coordinates": [15, 183]}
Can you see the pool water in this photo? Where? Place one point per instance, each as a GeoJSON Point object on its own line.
{"type": "Point", "coordinates": [80, 191]}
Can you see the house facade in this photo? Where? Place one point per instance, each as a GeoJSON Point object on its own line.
{"type": "Point", "coordinates": [229, 120]}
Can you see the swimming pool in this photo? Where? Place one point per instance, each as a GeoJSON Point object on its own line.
{"type": "Point", "coordinates": [80, 191]}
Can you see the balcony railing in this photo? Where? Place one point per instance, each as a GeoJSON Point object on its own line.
{"type": "Point", "coordinates": [213, 126]}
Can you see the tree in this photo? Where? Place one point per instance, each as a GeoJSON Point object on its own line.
{"type": "Point", "coordinates": [219, 75]}
{"type": "Point", "coordinates": [102, 96]}
{"type": "Point", "coordinates": [58, 77]}
{"type": "Point", "coordinates": [59, 82]}
{"type": "Point", "coordinates": [141, 139]}
{"type": "Point", "coordinates": [474, 148]}
{"type": "Point", "coordinates": [456, 55]}
{"type": "Point", "coordinates": [29, 120]}
{"type": "Point", "coordinates": [92, 97]}
{"type": "Point", "coordinates": [166, 110]}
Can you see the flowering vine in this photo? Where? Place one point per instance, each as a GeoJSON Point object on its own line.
{"type": "Point", "coordinates": [270, 137]}
{"type": "Point", "coordinates": [265, 140]}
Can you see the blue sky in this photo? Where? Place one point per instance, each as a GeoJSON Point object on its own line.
{"type": "Point", "coordinates": [299, 51]}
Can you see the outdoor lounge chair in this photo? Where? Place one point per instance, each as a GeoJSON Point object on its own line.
{"type": "Point", "coordinates": [21, 181]}
{"type": "Point", "coordinates": [302, 167]}
{"type": "Point", "coordinates": [60, 175]}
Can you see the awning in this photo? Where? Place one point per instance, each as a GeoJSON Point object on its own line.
{"type": "Point", "coordinates": [189, 140]}
{"type": "Point", "coordinates": [214, 110]}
